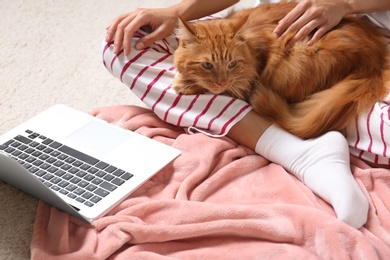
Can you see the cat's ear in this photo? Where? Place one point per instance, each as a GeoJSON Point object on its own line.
{"type": "Point", "coordinates": [239, 27]}
{"type": "Point", "coordinates": [185, 33]}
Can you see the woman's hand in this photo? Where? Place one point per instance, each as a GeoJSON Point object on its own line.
{"type": "Point", "coordinates": [311, 15]}
{"type": "Point", "coordinates": [162, 22]}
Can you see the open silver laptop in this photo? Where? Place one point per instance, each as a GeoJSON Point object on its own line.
{"type": "Point", "coordinates": [79, 163]}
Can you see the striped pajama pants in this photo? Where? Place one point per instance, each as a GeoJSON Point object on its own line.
{"type": "Point", "coordinates": [149, 74]}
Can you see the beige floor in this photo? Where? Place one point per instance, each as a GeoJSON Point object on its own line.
{"type": "Point", "coordinates": [50, 53]}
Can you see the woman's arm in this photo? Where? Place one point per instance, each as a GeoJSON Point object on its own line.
{"type": "Point", "coordinates": [364, 6]}
{"type": "Point", "coordinates": [322, 15]}
{"type": "Point", "coordinates": [195, 9]}
{"type": "Point", "coordinates": [161, 20]}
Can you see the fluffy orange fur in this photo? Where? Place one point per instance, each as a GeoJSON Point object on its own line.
{"type": "Point", "coordinates": [308, 90]}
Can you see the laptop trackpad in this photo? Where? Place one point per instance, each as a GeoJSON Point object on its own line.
{"type": "Point", "coordinates": [99, 137]}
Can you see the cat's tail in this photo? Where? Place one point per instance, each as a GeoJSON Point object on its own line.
{"type": "Point", "coordinates": [331, 109]}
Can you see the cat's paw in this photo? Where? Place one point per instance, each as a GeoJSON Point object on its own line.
{"type": "Point", "coordinates": [187, 88]}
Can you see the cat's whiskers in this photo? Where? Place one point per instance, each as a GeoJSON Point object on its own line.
{"type": "Point", "coordinates": [239, 88]}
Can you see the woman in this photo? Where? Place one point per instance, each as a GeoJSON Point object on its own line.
{"type": "Point", "coordinates": [321, 163]}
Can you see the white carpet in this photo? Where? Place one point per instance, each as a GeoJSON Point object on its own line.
{"type": "Point", "coordinates": [50, 53]}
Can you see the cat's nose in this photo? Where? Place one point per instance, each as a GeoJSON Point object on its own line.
{"type": "Point", "coordinates": [222, 84]}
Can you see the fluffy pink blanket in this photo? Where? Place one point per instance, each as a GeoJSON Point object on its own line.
{"type": "Point", "coordinates": [217, 200]}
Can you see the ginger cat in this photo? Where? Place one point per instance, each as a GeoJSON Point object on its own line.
{"type": "Point", "coordinates": [307, 90]}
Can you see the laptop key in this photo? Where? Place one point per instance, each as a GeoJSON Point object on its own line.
{"type": "Point", "coordinates": [59, 173]}
{"type": "Point", "coordinates": [81, 200]}
{"type": "Point", "coordinates": [101, 192]}
{"type": "Point", "coordinates": [63, 184]}
{"type": "Point", "coordinates": [57, 163]}
{"type": "Point", "coordinates": [62, 191]}
{"type": "Point", "coordinates": [55, 180]}
{"type": "Point", "coordinates": [16, 144]}
{"type": "Point", "coordinates": [117, 181]}
{"type": "Point", "coordinates": [110, 169]}
{"type": "Point", "coordinates": [67, 176]}
{"type": "Point", "coordinates": [93, 170]}
{"type": "Point", "coordinates": [71, 187]}
{"type": "Point", "coordinates": [48, 176]}
{"type": "Point", "coordinates": [33, 169]}
{"type": "Point", "coordinates": [89, 204]}
{"type": "Point", "coordinates": [101, 174]}
{"type": "Point", "coordinates": [77, 163]}
{"type": "Point", "coordinates": [108, 177]}
{"type": "Point", "coordinates": [62, 156]}
{"type": "Point", "coordinates": [81, 174]}
{"type": "Point", "coordinates": [37, 162]}
{"type": "Point", "coordinates": [97, 181]}
{"type": "Point", "coordinates": [9, 150]}
{"type": "Point", "coordinates": [118, 172]}
{"type": "Point", "coordinates": [23, 156]}
{"type": "Point", "coordinates": [29, 150]}
{"type": "Point", "coordinates": [44, 157]}
{"type": "Point", "coordinates": [55, 153]}
{"type": "Point", "coordinates": [47, 141]}
{"type": "Point", "coordinates": [22, 147]}
{"type": "Point", "coordinates": [78, 191]}
{"type": "Point", "coordinates": [101, 165]}
{"type": "Point", "coordinates": [70, 160]}
{"type": "Point", "coordinates": [82, 183]}
{"type": "Point", "coordinates": [108, 186]}
{"type": "Point", "coordinates": [36, 153]}
{"type": "Point", "coordinates": [52, 169]}
{"type": "Point", "coordinates": [45, 166]}
{"type": "Point", "coordinates": [89, 177]}
{"type": "Point", "coordinates": [85, 166]}
{"type": "Point", "coordinates": [71, 195]}
{"type": "Point", "coordinates": [78, 155]}
{"type": "Point", "coordinates": [87, 195]}
{"type": "Point", "coordinates": [8, 142]}
{"type": "Point", "coordinates": [30, 159]}
{"type": "Point", "coordinates": [55, 145]}
{"type": "Point", "coordinates": [40, 173]}
{"type": "Point", "coordinates": [23, 139]}
{"type": "Point", "coordinates": [66, 167]}
{"type": "Point", "coordinates": [41, 147]}
{"type": "Point", "coordinates": [16, 153]}
{"type": "Point", "coordinates": [75, 180]}
{"type": "Point", "coordinates": [91, 187]}
{"type": "Point", "coordinates": [34, 144]}
{"type": "Point", "coordinates": [127, 176]}
{"type": "Point", "coordinates": [95, 199]}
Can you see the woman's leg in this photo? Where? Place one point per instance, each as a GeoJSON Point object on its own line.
{"type": "Point", "coordinates": [320, 163]}
{"type": "Point", "coordinates": [369, 138]}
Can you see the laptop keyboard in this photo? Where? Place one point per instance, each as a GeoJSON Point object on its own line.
{"type": "Point", "coordinates": [65, 170]}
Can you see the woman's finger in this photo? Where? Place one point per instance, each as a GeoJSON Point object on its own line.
{"type": "Point", "coordinates": [306, 27]}
{"type": "Point", "coordinates": [284, 25]}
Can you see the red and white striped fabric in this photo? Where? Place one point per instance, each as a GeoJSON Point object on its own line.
{"type": "Point", "coordinates": [149, 74]}
{"type": "Point", "coordinates": [369, 138]}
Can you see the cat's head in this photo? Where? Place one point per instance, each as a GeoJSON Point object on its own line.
{"type": "Point", "coordinates": [214, 56]}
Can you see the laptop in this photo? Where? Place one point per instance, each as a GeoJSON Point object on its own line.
{"type": "Point", "coordinates": [79, 163]}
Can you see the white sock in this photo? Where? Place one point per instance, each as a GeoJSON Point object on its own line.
{"type": "Point", "coordinates": [323, 165]}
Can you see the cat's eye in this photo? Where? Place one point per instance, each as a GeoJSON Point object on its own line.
{"type": "Point", "coordinates": [207, 65]}
{"type": "Point", "coordinates": [232, 64]}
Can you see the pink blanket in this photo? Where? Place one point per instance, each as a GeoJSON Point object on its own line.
{"type": "Point", "coordinates": [217, 200]}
